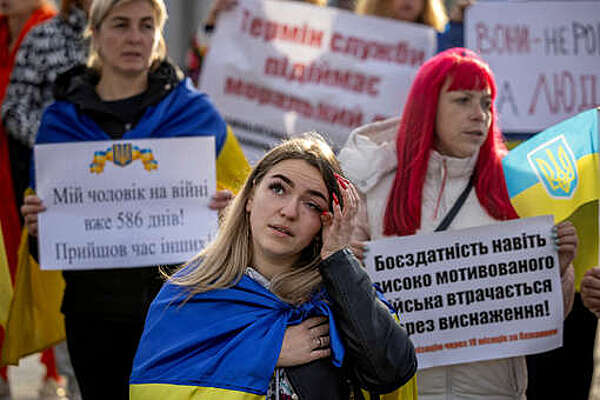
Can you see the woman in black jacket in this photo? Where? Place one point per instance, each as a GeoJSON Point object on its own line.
{"type": "Point", "coordinates": [277, 305]}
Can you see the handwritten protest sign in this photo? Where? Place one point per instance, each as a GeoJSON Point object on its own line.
{"type": "Point", "coordinates": [545, 57]}
{"type": "Point", "coordinates": [281, 68]}
{"type": "Point", "coordinates": [474, 294]}
{"type": "Point", "coordinates": [125, 204]}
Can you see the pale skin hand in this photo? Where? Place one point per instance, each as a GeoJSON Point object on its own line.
{"type": "Point", "coordinates": [457, 13]}
{"type": "Point", "coordinates": [358, 249]}
{"type": "Point", "coordinates": [217, 7]}
{"type": "Point", "coordinates": [337, 226]}
{"type": "Point", "coordinates": [220, 200]}
{"type": "Point", "coordinates": [32, 206]}
{"type": "Point", "coordinates": [566, 241]}
{"type": "Point", "coordinates": [590, 290]}
{"type": "Point", "coordinates": [305, 342]}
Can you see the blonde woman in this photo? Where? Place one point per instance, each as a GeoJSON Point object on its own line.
{"type": "Point", "coordinates": [128, 90]}
{"type": "Point", "coordinates": [427, 12]}
{"type": "Point", "coordinates": [277, 305]}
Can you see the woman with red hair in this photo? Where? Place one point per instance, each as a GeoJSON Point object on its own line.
{"type": "Point", "coordinates": [412, 170]}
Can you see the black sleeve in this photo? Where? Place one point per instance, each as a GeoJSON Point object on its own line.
{"type": "Point", "coordinates": [379, 355]}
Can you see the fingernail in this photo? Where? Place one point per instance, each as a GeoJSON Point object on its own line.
{"type": "Point", "coordinates": [342, 184]}
{"type": "Point", "coordinates": [335, 199]}
{"type": "Point", "coordinates": [339, 177]}
{"type": "Point", "coordinates": [324, 213]}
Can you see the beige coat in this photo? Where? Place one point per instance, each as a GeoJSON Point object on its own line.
{"type": "Point", "coordinates": [369, 160]}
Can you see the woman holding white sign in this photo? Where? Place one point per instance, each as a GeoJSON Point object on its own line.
{"type": "Point", "coordinates": [128, 90]}
{"type": "Point", "coordinates": [439, 167]}
{"type": "Point", "coordinates": [276, 305]}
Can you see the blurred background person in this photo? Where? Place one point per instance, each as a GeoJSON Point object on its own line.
{"type": "Point", "coordinates": [48, 50]}
{"type": "Point", "coordinates": [427, 12]}
{"type": "Point", "coordinates": [17, 17]}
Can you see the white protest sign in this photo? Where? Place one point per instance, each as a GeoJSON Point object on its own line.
{"type": "Point", "coordinates": [276, 69]}
{"type": "Point", "coordinates": [545, 57]}
{"type": "Point", "coordinates": [129, 203]}
{"type": "Point", "coordinates": [474, 294]}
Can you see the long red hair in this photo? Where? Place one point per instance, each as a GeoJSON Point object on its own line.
{"type": "Point", "coordinates": [415, 140]}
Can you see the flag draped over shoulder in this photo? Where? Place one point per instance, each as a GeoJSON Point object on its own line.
{"type": "Point", "coordinates": [222, 344]}
{"type": "Point", "coordinates": [557, 172]}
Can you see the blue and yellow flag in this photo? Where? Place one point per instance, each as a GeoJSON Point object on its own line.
{"type": "Point", "coordinates": [222, 344]}
{"type": "Point", "coordinates": [557, 172]}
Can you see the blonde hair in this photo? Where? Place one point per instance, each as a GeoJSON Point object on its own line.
{"type": "Point", "coordinates": [434, 12]}
{"type": "Point", "coordinates": [223, 262]}
{"type": "Point", "coordinates": [98, 12]}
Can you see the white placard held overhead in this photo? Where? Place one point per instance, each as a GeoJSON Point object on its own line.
{"type": "Point", "coordinates": [474, 294]}
{"type": "Point", "coordinates": [545, 56]}
{"type": "Point", "coordinates": [129, 203]}
{"type": "Point", "coordinates": [276, 69]}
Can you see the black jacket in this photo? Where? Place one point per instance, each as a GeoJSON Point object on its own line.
{"type": "Point", "coordinates": [379, 355]}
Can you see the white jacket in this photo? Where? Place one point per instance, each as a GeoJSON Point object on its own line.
{"type": "Point", "coordinates": [369, 160]}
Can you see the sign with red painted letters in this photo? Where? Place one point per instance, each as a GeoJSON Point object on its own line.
{"type": "Point", "coordinates": [277, 69]}
{"type": "Point", "coordinates": [545, 56]}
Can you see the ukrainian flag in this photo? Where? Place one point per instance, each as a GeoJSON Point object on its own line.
{"type": "Point", "coordinates": [557, 172]}
{"type": "Point", "coordinates": [222, 344]}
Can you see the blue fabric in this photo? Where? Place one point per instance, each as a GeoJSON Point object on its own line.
{"type": "Point", "coordinates": [183, 112]}
{"type": "Point", "coordinates": [225, 338]}
{"type": "Point", "coordinates": [453, 36]}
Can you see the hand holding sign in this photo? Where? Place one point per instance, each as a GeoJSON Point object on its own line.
{"type": "Point", "coordinates": [30, 209]}
{"type": "Point", "coordinates": [566, 241]}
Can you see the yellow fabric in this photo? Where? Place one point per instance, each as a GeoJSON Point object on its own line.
{"type": "Point", "coordinates": [6, 289]}
{"type": "Point", "coordinates": [232, 166]}
{"type": "Point", "coordinates": [406, 392]}
{"type": "Point", "coordinates": [585, 220]}
{"type": "Point", "coordinates": [179, 392]}
{"type": "Point", "coordinates": [35, 321]}
{"type": "Point", "coordinates": [536, 201]}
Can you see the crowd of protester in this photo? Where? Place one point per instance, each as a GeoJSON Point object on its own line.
{"type": "Point", "coordinates": [68, 76]}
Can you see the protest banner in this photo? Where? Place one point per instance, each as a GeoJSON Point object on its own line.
{"type": "Point", "coordinates": [545, 57]}
{"type": "Point", "coordinates": [125, 204]}
{"type": "Point", "coordinates": [474, 294]}
{"type": "Point", "coordinates": [558, 172]}
{"type": "Point", "coordinates": [276, 69]}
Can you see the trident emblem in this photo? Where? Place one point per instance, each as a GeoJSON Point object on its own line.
{"type": "Point", "coordinates": [555, 166]}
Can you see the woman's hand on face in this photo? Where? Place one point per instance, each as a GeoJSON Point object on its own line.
{"type": "Point", "coordinates": [590, 290]}
{"type": "Point", "coordinates": [566, 242]}
{"type": "Point", "coordinates": [337, 225]}
{"type": "Point", "coordinates": [220, 200]}
{"type": "Point", "coordinates": [32, 206]}
{"type": "Point", "coordinates": [359, 249]}
{"type": "Point", "coordinates": [305, 342]}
